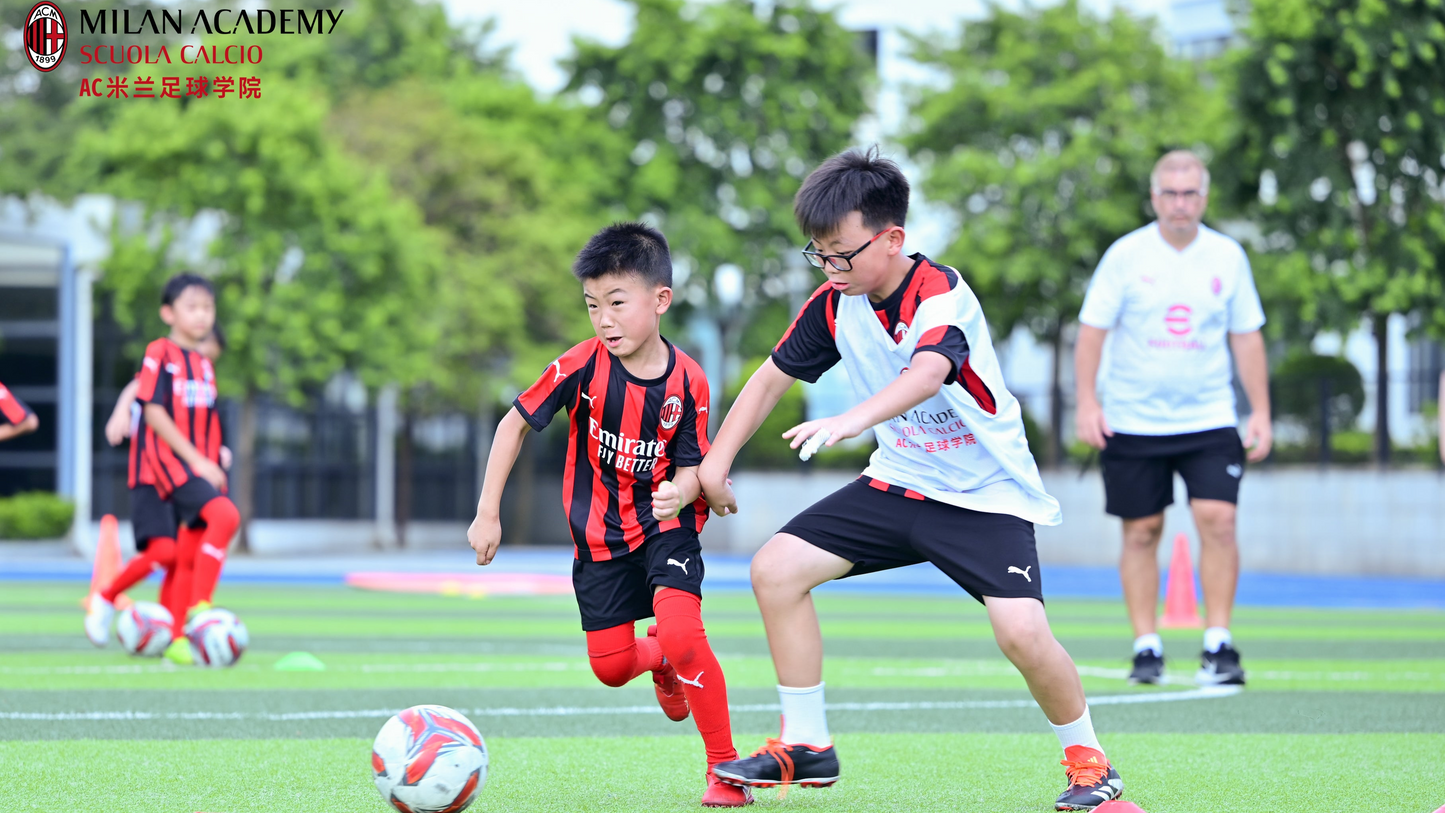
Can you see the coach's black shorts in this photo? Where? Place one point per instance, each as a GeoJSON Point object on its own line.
{"type": "Point", "coordinates": [150, 516]}
{"type": "Point", "coordinates": [191, 497]}
{"type": "Point", "coordinates": [986, 554]}
{"type": "Point", "coordinates": [1139, 469]}
{"type": "Point", "coordinates": [619, 591]}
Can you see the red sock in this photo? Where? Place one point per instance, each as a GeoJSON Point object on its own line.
{"type": "Point", "coordinates": [684, 642]}
{"type": "Point", "coordinates": [160, 551]}
{"type": "Point", "coordinates": [221, 520]}
{"type": "Point", "coordinates": [618, 656]}
{"type": "Point", "coordinates": [167, 582]}
{"type": "Point", "coordinates": [178, 598]}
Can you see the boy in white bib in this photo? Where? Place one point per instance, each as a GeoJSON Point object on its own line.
{"type": "Point", "coordinates": [952, 482]}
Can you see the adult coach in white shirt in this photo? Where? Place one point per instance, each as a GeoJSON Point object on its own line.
{"type": "Point", "coordinates": [1178, 297]}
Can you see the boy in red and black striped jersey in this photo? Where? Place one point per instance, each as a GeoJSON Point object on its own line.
{"type": "Point", "coordinates": [175, 451]}
{"type": "Point", "coordinates": [637, 409]}
{"type": "Point", "coordinates": [153, 520]}
{"type": "Point", "coordinates": [16, 418]}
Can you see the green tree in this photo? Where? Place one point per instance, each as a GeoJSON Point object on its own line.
{"type": "Point", "coordinates": [1342, 108]}
{"type": "Point", "coordinates": [724, 107]}
{"type": "Point", "coordinates": [1042, 142]}
{"type": "Point", "coordinates": [319, 267]}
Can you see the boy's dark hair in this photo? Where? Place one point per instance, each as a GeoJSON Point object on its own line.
{"type": "Point", "coordinates": [856, 180]}
{"type": "Point", "coordinates": [626, 248]}
{"type": "Point", "coordinates": [178, 284]}
{"type": "Point", "coordinates": [219, 335]}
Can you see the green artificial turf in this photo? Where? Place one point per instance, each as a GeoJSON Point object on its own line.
{"type": "Point", "coordinates": [988, 773]}
{"type": "Point", "coordinates": [1343, 706]}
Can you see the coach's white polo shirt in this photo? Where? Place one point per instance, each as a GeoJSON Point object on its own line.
{"type": "Point", "coordinates": [1169, 314]}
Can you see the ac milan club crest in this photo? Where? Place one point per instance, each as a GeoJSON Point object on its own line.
{"type": "Point", "coordinates": [1176, 320]}
{"type": "Point", "coordinates": [45, 36]}
{"type": "Point", "coordinates": [671, 412]}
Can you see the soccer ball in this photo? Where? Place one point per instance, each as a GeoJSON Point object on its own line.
{"type": "Point", "coordinates": [217, 637]}
{"type": "Point", "coordinates": [144, 629]}
{"type": "Point", "coordinates": [429, 759]}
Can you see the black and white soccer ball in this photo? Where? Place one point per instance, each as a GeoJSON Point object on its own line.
{"type": "Point", "coordinates": [429, 759]}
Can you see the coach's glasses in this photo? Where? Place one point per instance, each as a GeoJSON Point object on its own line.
{"type": "Point", "coordinates": [842, 262]}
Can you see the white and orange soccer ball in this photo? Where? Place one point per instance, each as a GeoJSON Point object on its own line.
{"type": "Point", "coordinates": [429, 759]}
{"type": "Point", "coordinates": [144, 629]}
{"type": "Point", "coordinates": [217, 637]}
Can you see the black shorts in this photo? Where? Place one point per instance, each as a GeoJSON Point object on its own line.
{"type": "Point", "coordinates": [191, 497]}
{"type": "Point", "coordinates": [1139, 470]}
{"type": "Point", "coordinates": [150, 516]}
{"type": "Point", "coordinates": [619, 591]}
{"type": "Point", "coordinates": [986, 554]}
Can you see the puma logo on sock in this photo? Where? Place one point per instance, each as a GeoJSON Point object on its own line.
{"type": "Point", "coordinates": [697, 681]}
{"type": "Point", "coordinates": [213, 551]}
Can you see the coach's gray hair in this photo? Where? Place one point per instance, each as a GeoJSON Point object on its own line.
{"type": "Point", "coordinates": [1180, 159]}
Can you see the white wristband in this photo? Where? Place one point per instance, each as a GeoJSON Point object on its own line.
{"type": "Point", "coordinates": [813, 444]}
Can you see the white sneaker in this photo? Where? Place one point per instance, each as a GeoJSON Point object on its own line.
{"type": "Point", "coordinates": [97, 620]}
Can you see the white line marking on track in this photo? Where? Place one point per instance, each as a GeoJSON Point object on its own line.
{"type": "Point", "coordinates": [1209, 693]}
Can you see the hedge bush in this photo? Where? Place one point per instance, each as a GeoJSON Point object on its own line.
{"type": "Point", "coordinates": [35, 515]}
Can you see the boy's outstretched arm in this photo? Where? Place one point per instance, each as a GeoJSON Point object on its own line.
{"type": "Point", "coordinates": [165, 428]}
{"type": "Point", "coordinates": [486, 531]}
{"type": "Point", "coordinates": [762, 392]}
{"type": "Point", "coordinates": [922, 380]}
{"type": "Point", "coordinates": [117, 429]}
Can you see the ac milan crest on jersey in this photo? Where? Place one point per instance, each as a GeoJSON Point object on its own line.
{"type": "Point", "coordinates": [45, 36]}
{"type": "Point", "coordinates": [671, 412]}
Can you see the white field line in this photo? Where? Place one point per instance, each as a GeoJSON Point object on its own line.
{"type": "Point", "coordinates": [969, 668]}
{"type": "Point", "coordinates": [997, 669]}
{"type": "Point", "coordinates": [581, 711]}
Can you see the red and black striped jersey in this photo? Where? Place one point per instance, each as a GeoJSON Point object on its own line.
{"type": "Point", "coordinates": [810, 348]}
{"type": "Point", "coordinates": [12, 409]}
{"type": "Point", "coordinates": [184, 382]}
{"type": "Point", "coordinates": [625, 434]}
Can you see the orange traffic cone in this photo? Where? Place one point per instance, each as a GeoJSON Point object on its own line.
{"type": "Point", "coordinates": [107, 562]}
{"type": "Point", "coordinates": [1181, 606]}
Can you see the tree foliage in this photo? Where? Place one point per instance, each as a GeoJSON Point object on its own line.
{"type": "Point", "coordinates": [1342, 108]}
{"type": "Point", "coordinates": [318, 266]}
{"type": "Point", "coordinates": [724, 108]}
{"type": "Point", "coordinates": [1342, 129]}
{"type": "Point", "coordinates": [513, 209]}
{"type": "Point", "coordinates": [1042, 142]}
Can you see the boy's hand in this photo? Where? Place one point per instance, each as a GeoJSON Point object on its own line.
{"type": "Point", "coordinates": [1089, 424]}
{"type": "Point", "coordinates": [484, 536]}
{"type": "Point", "coordinates": [210, 472]}
{"type": "Point", "coordinates": [666, 501]}
{"type": "Point", "coordinates": [226, 458]}
{"type": "Point", "coordinates": [117, 429]}
{"type": "Point", "coordinates": [837, 427]}
{"type": "Point", "coordinates": [721, 499]}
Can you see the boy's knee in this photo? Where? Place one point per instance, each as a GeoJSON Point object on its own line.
{"type": "Point", "coordinates": [221, 511]}
{"type": "Point", "coordinates": [1022, 637]}
{"type": "Point", "coordinates": [771, 571]}
{"type": "Point", "coordinates": [613, 670]}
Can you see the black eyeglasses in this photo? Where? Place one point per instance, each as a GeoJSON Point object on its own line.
{"type": "Point", "coordinates": [842, 262]}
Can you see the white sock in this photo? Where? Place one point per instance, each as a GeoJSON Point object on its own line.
{"type": "Point", "coordinates": [1079, 732]}
{"type": "Point", "coordinates": [1216, 637]}
{"type": "Point", "coordinates": [1151, 641]}
{"type": "Point", "coordinates": [805, 721]}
